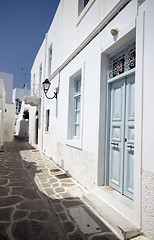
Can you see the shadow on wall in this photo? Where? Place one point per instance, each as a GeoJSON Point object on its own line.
{"type": "Point", "coordinates": [22, 128]}
{"type": "Point", "coordinates": [27, 212]}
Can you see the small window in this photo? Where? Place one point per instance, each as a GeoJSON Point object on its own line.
{"type": "Point", "coordinates": [50, 61]}
{"type": "Point", "coordinates": [47, 120]}
{"type": "Point", "coordinates": [33, 85]}
{"type": "Point", "coordinates": [85, 2]}
{"type": "Point", "coordinates": [82, 5]}
{"type": "Point", "coordinates": [74, 114]}
{"type": "Point", "coordinates": [40, 75]}
{"type": "Point", "coordinates": [40, 80]}
{"type": "Point", "coordinates": [19, 107]}
{"type": "Point", "coordinates": [77, 106]}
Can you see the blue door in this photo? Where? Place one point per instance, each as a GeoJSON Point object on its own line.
{"type": "Point", "coordinates": [121, 139]}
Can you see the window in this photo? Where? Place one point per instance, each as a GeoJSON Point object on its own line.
{"type": "Point", "coordinates": [47, 120]}
{"type": "Point", "coordinates": [50, 61]}
{"type": "Point", "coordinates": [77, 106]}
{"type": "Point", "coordinates": [74, 112]}
{"type": "Point", "coordinates": [33, 85]}
{"type": "Point", "coordinates": [81, 5]}
{"type": "Point", "coordinates": [40, 75]}
{"type": "Point", "coordinates": [85, 2]}
{"type": "Point", "coordinates": [40, 79]}
{"type": "Point", "coordinates": [19, 106]}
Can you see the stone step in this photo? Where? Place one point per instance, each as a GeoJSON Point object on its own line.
{"type": "Point", "coordinates": [120, 225]}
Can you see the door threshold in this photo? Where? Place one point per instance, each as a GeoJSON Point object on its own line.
{"type": "Point", "coordinates": [113, 196]}
{"type": "Point", "coordinates": [114, 218]}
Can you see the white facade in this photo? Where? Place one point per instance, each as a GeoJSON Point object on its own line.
{"type": "Point", "coordinates": [22, 125]}
{"type": "Point", "coordinates": [17, 96]}
{"type": "Point", "coordinates": [7, 116]}
{"type": "Point", "coordinates": [82, 44]}
{"type": "Point", "coordinates": [8, 85]}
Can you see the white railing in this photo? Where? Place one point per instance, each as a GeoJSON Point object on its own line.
{"type": "Point", "coordinates": [36, 90]}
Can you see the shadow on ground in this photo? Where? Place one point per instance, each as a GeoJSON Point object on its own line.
{"type": "Point", "coordinates": [36, 200]}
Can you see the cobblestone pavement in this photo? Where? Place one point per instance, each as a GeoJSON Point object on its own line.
{"type": "Point", "coordinates": [39, 201]}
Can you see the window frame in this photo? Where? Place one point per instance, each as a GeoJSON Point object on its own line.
{"type": "Point", "coordinates": [76, 95]}
{"type": "Point", "coordinates": [34, 79]}
{"type": "Point", "coordinates": [40, 78]}
{"type": "Point", "coordinates": [82, 10]}
{"type": "Point", "coordinates": [72, 140]}
{"type": "Point", "coordinates": [50, 53]}
{"type": "Point", "coordinates": [40, 74]}
{"type": "Point", "coordinates": [47, 120]}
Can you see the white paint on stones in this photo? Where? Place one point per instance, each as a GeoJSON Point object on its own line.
{"type": "Point", "coordinates": [147, 203]}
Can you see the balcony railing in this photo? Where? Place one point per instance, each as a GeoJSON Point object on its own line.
{"type": "Point", "coordinates": [36, 90]}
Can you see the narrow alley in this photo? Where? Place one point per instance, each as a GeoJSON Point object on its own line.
{"type": "Point", "coordinates": [40, 201]}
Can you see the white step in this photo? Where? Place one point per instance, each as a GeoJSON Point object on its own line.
{"type": "Point", "coordinates": [113, 219]}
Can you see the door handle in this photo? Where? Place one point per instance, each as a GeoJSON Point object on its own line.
{"type": "Point", "coordinates": [115, 144]}
{"type": "Point", "coordinates": [130, 146]}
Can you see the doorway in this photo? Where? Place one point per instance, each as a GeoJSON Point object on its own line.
{"type": "Point", "coordinates": [121, 112]}
{"type": "Point", "coordinates": [36, 127]}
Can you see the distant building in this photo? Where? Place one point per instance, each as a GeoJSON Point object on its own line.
{"type": "Point", "coordinates": [7, 114]}
{"type": "Point", "coordinates": [17, 96]}
{"type": "Point", "coordinates": [8, 85]}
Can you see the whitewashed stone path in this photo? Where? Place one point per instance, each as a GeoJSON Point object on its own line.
{"type": "Point", "coordinates": [39, 201]}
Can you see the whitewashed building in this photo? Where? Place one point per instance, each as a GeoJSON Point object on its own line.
{"type": "Point", "coordinates": [8, 85]}
{"type": "Point", "coordinates": [21, 124]}
{"type": "Point", "coordinates": [97, 56]}
{"type": "Point", "coordinates": [17, 96]}
{"type": "Point", "coordinates": [7, 110]}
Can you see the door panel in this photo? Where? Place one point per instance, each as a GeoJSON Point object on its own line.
{"type": "Point", "coordinates": [121, 149]}
{"type": "Point", "coordinates": [115, 170]}
{"type": "Point", "coordinates": [129, 134]}
{"type": "Point", "coordinates": [116, 134]}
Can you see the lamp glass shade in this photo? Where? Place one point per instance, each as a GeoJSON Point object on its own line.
{"type": "Point", "coordinates": [46, 85]}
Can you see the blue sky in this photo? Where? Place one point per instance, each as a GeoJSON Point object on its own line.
{"type": "Point", "coordinates": [23, 25]}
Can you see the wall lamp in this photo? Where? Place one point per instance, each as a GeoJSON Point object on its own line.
{"type": "Point", "coordinates": [114, 31]}
{"type": "Point", "coordinates": [46, 85]}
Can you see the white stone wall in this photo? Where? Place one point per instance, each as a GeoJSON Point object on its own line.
{"type": "Point", "coordinates": [32, 112]}
{"type": "Point", "coordinates": [18, 93]}
{"type": "Point", "coordinates": [8, 122]}
{"type": "Point", "coordinates": [8, 85]}
{"type": "Point", "coordinates": [147, 203]}
{"type": "Point", "coordinates": [7, 117]}
{"type": "Point", "coordinates": [22, 128]}
{"type": "Point", "coordinates": [148, 119]}
{"type": "Point", "coordinates": [1, 127]}
{"type": "Point", "coordinates": [2, 103]}
{"type": "Point", "coordinates": [2, 94]}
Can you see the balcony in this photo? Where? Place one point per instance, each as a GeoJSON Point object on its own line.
{"type": "Point", "coordinates": [34, 98]}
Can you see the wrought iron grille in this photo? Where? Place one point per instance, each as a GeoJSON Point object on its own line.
{"type": "Point", "coordinates": [122, 62]}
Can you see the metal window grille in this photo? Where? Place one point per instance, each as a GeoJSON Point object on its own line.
{"type": "Point", "coordinates": [122, 62]}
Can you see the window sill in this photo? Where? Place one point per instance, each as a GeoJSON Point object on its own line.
{"type": "Point", "coordinates": [76, 143]}
{"type": "Point", "coordinates": [84, 11]}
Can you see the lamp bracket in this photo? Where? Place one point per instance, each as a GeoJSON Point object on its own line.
{"type": "Point", "coordinates": [55, 95]}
